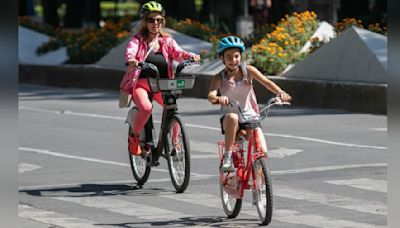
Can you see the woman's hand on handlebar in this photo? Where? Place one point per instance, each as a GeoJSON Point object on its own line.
{"type": "Point", "coordinates": [133, 63]}
{"type": "Point", "coordinates": [196, 58]}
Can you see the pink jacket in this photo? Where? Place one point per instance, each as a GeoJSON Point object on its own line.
{"type": "Point", "coordinates": [137, 48]}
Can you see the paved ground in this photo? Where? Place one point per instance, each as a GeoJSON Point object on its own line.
{"type": "Point", "coordinates": [329, 167]}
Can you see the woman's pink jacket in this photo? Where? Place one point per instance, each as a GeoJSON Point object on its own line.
{"type": "Point", "coordinates": [137, 48]}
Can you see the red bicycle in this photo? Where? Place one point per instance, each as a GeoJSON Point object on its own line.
{"type": "Point", "coordinates": [252, 162]}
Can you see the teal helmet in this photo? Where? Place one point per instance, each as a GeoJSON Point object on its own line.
{"type": "Point", "coordinates": [151, 6]}
{"type": "Point", "coordinates": [230, 42]}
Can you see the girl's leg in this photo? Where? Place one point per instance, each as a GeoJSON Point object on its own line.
{"type": "Point", "coordinates": [230, 124]}
{"type": "Point", "coordinates": [262, 140]}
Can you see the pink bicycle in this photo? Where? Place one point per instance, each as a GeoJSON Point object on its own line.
{"type": "Point", "coordinates": [251, 163]}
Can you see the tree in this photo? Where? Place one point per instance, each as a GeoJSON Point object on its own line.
{"type": "Point", "coordinates": [50, 15]}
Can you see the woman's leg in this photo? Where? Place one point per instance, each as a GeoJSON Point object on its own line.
{"type": "Point", "coordinates": [144, 105]}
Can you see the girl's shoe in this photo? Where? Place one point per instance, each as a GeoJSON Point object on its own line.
{"type": "Point", "coordinates": [227, 163]}
{"type": "Point", "coordinates": [134, 145]}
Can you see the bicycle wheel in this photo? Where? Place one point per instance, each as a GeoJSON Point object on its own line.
{"type": "Point", "coordinates": [139, 165]}
{"type": "Point", "coordinates": [263, 194]}
{"type": "Point", "coordinates": [178, 154]}
{"type": "Point", "coordinates": [230, 204]}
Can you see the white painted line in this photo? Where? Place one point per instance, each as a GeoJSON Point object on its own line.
{"type": "Point", "coordinates": [58, 154]}
{"type": "Point", "coordinates": [327, 141]}
{"type": "Point", "coordinates": [363, 183]}
{"type": "Point", "coordinates": [128, 182]}
{"type": "Point", "coordinates": [275, 153]}
{"type": "Point", "coordinates": [286, 216]}
{"type": "Point", "coordinates": [283, 152]}
{"type": "Point", "coordinates": [383, 129]}
{"type": "Point", "coordinates": [278, 172]}
{"type": "Point", "coordinates": [25, 167]}
{"type": "Point", "coordinates": [203, 147]}
{"type": "Point", "coordinates": [209, 128]}
{"type": "Point", "coordinates": [68, 112]}
{"type": "Point", "coordinates": [331, 200]}
{"type": "Point", "coordinates": [142, 211]}
{"type": "Point", "coordinates": [53, 218]}
{"type": "Point", "coordinates": [327, 168]}
{"type": "Point", "coordinates": [317, 220]}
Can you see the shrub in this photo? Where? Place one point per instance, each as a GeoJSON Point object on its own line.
{"type": "Point", "coordinates": [282, 46]}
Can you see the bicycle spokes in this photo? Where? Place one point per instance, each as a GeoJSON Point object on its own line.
{"type": "Point", "coordinates": [178, 154]}
{"type": "Point", "coordinates": [262, 191]}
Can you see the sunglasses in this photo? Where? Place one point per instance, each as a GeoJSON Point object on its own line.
{"type": "Point", "coordinates": [153, 20]}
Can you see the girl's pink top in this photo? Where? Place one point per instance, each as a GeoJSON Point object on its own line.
{"type": "Point", "coordinates": [242, 92]}
{"type": "Point", "coordinates": [137, 48]}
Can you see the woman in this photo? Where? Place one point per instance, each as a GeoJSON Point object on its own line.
{"type": "Point", "coordinates": [149, 44]}
{"type": "Point", "coordinates": [234, 82]}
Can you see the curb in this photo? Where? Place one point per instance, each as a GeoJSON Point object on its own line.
{"type": "Point", "coordinates": [354, 97]}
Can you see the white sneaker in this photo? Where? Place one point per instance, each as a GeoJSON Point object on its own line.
{"type": "Point", "coordinates": [227, 163]}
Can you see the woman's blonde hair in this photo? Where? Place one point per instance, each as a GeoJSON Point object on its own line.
{"type": "Point", "coordinates": [141, 28]}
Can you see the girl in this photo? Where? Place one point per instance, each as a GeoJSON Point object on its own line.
{"type": "Point", "coordinates": [235, 82]}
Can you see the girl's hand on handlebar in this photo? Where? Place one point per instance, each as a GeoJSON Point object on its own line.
{"type": "Point", "coordinates": [284, 96]}
{"type": "Point", "coordinates": [223, 100]}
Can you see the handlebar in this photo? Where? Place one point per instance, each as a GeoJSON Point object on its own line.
{"type": "Point", "coordinates": [264, 110]}
{"type": "Point", "coordinates": [149, 66]}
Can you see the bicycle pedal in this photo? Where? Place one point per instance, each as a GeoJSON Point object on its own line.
{"type": "Point", "coordinates": [155, 163]}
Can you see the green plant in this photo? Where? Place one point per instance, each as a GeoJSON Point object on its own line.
{"type": "Point", "coordinates": [282, 46]}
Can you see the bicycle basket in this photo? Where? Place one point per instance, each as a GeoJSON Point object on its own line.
{"type": "Point", "coordinates": [162, 84]}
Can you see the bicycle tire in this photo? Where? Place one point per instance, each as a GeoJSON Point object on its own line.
{"type": "Point", "coordinates": [231, 205]}
{"type": "Point", "coordinates": [178, 160]}
{"type": "Point", "coordinates": [139, 165]}
{"type": "Point", "coordinates": [263, 195]}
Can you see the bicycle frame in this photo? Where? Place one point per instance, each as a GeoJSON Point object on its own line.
{"type": "Point", "coordinates": [244, 168]}
{"type": "Point", "coordinates": [170, 108]}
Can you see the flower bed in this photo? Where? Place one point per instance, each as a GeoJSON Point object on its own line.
{"type": "Point", "coordinates": [84, 46]}
{"type": "Point", "coordinates": [282, 46]}
{"type": "Point", "coordinates": [273, 48]}
{"type": "Point", "coordinates": [348, 22]}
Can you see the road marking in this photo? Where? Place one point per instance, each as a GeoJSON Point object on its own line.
{"type": "Point", "coordinates": [327, 168]}
{"type": "Point", "coordinates": [25, 167]}
{"type": "Point", "coordinates": [327, 141]}
{"type": "Point", "coordinates": [206, 176]}
{"type": "Point", "coordinates": [331, 200]}
{"type": "Point", "coordinates": [53, 218]}
{"type": "Point", "coordinates": [280, 152]}
{"type": "Point", "coordinates": [119, 182]}
{"type": "Point", "coordinates": [204, 147]}
{"type": "Point", "coordinates": [67, 112]}
{"type": "Point", "coordinates": [363, 183]}
{"type": "Point", "coordinates": [142, 211]}
{"type": "Point", "coordinates": [198, 175]}
{"type": "Point", "coordinates": [383, 129]}
{"type": "Point", "coordinates": [57, 154]}
{"type": "Point", "coordinates": [287, 216]}
{"type": "Point", "coordinates": [317, 220]}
